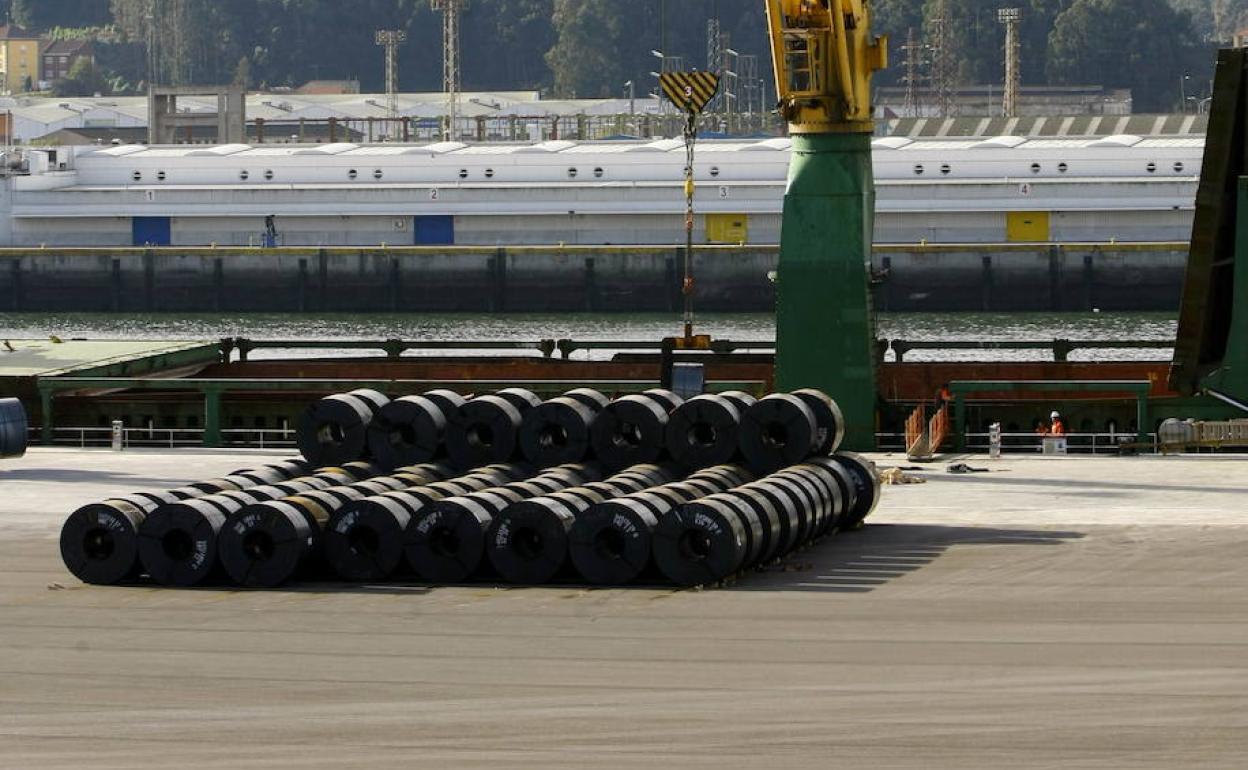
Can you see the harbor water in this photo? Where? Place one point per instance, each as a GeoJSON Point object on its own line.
{"type": "Point", "coordinates": [529, 328]}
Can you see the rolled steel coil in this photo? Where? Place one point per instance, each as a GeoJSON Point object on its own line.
{"type": "Point", "coordinates": [702, 542]}
{"type": "Point", "coordinates": [178, 541]}
{"type": "Point", "coordinates": [591, 398]}
{"type": "Point", "coordinates": [557, 432]}
{"type": "Point", "coordinates": [528, 542]}
{"type": "Point", "coordinates": [448, 543]}
{"type": "Point", "coordinates": [704, 431]}
{"type": "Point", "coordinates": [267, 544]}
{"type": "Point", "coordinates": [521, 399]}
{"type": "Point", "coordinates": [407, 431]}
{"type": "Point", "coordinates": [334, 430]}
{"type": "Point", "coordinates": [14, 428]}
{"type": "Point", "coordinates": [776, 432]}
{"type": "Point", "coordinates": [629, 431]}
{"type": "Point", "coordinates": [447, 400]}
{"type": "Point", "coordinates": [828, 417]}
{"type": "Point", "coordinates": [483, 431]}
{"type": "Point", "coordinates": [665, 398]}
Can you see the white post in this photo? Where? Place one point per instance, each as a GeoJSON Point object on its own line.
{"type": "Point", "coordinates": [994, 441]}
{"type": "Point", "coordinates": [118, 435]}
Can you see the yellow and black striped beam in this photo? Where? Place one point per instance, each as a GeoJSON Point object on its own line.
{"type": "Point", "coordinates": [690, 91]}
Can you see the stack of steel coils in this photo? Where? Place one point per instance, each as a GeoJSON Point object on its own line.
{"type": "Point", "coordinates": [503, 487]}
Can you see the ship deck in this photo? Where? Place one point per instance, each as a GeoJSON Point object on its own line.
{"type": "Point", "coordinates": [1084, 612]}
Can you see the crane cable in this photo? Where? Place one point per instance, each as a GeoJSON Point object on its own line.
{"type": "Point", "coordinates": [686, 288]}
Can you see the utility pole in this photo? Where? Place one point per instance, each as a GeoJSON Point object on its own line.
{"type": "Point", "coordinates": [1011, 17]}
{"type": "Point", "coordinates": [391, 39]}
{"type": "Point", "coordinates": [913, 51]}
{"type": "Point", "coordinates": [450, 60]}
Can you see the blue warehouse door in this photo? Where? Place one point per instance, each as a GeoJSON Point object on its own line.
{"type": "Point", "coordinates": [435, 231]}
{"type": "Point", "coordinates": [152, 231]}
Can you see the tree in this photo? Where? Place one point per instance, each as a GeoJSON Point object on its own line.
{"type": "Point", "coordinates": [588, 58]}
{"type": "Point", "coordinates": [242, 73]}
{"type": "Point", "coordinates": [40, 15]}
{"type": "Point", "coordinates": [84, 79]}
{"type": "Point", "coordinates": [1137, 44]}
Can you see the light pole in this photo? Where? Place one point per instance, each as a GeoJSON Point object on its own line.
{"type": "Point", "coordinates": [631, 88]}
{"type": "Point", "coordinates": [1183, 92]}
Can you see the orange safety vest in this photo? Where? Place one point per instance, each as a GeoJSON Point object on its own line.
{"type": "Point", "coordinates": [1058, 428]}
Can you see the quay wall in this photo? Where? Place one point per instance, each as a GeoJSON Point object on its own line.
{"type": "Point", "coordinates": [908, 278]}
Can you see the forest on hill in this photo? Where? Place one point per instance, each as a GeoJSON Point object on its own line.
{"type": "Point", "coordinates": [1162, 49]}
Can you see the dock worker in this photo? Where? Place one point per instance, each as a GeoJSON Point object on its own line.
{"type": "Point", "coordinates": [1058, 428]}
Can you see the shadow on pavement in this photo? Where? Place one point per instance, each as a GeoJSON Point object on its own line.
{"type": "Point", "coordinates": [861, 561]}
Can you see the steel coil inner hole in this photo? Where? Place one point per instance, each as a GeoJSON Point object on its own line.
{"type": "Point", "coordinates": [702, 435]}
{"type": "Point", "coordinates": [363, 541]}
{"type": "Point", "coordinates": [403, 434]}
{"type": "Point", "coordinates": [628, 435]}
{"type": "Point", "coordinates": [444, 542]}
{"type": "Point", "coordinates": [552, 436]}
{"type": "Point", "coordinates": [98, 544]}
{"type": "Point", "coordinates": [178, 544]}
{"type": "Point", "coordinates": [480, 436]}
{"type": "Point", "coordinates": [527, 543]}
{"type": "Point", "coordinates": [694, 545]}
{"type": "Point", "coordinates": [330, 434]}
{"type": "Point", "coordinates": [259, 545]}
{"type": "Point", "coordinates": [775, 435]}
{"type": "Point", "coordinates": [609, 543]}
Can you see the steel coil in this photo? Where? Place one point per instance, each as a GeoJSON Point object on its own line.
{"type": "Point", "coordinates": [407, 431]}
{"type": "Point", "coordinates": [14, 428]}
{"type": "Point", "coordinates": [776, 432]}
{"type": "Point", "coordinates": [556, 432]}
{"type": "Point", "coordinates": [485, 430]}
{"type": "Point", "coordinates": [704, 431]}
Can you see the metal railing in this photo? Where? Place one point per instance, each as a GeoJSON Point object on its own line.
{"type": "Point", "coordinates": [1032, 443]}
{"type": "Point", "coordinates": [171, 438]}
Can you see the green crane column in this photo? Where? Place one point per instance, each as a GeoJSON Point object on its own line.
{"type": "Point", "coordinates": [825, 330]}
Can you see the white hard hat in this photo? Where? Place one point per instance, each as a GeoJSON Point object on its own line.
{"type": "Point", "coordinates": [1054, 416]}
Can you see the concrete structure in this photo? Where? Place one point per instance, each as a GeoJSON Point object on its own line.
{"type": "Point", "coordinates": [994, 190]}
{"type": "Point", "coordinates": [165, 120]}
{"type": "Point", "coordinates": [19, 59]}
{"type": "Point", "coordinates": [987, 277]}
{"type": "Point", "coordinates": [1054, 612]}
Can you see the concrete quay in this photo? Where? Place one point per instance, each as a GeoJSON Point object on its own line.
{"type": "Point", "coordinates": [1053, 612]}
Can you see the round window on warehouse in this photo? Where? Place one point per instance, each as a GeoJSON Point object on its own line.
{"type": "Point", "coordinates": [1178, 167]}
{"type": "Point", "coordinates": [1151, 167]}
{"type": "Point", "coordinates": [352, 174]}
{"type": "Point", "coordinates": [918, 169]}
{"type": "Point", "coordinates": [598, 172]}
{"type": "Point", "coordinates": [1062, 168]}
{"type": "Point", "coordinates": [268, 173]}
{"type": "Point", "coordinates": [160, 175]}
{"type": "Point", "coordinates": [1035, 168]}
{"type": "Point", "coordinates": [137, 176]}
{"type": "Point", "coordinates": [377, 173]}
{"type": "Point", "coordinates": [572, 173]}
{"type": "Point", "coordinates": [243, 175]}
{"type": "Point", "coordinates": [489, 173]}
{"type": "Point", "coordinates": [945, 169]}
{"type": "Point", "coordinates": [463, 173]}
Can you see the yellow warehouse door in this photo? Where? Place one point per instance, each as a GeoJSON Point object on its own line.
{"type": "Point", "coordinates": [1026, 226]}
{"type": "Point", "coordinates": [727, 228]}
